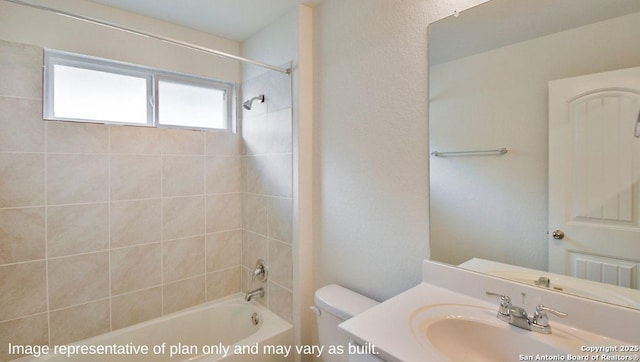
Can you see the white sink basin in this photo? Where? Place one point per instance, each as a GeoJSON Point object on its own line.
{"type": "Point", "coordinates": [449, 317]}
{"type": "Point", "coordinates": [485, 342]}
{"type": "Point", "coordinates": [457, 331]}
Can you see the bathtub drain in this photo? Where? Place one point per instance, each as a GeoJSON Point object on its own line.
{"type": "Point", "coordinates": [255, 319]}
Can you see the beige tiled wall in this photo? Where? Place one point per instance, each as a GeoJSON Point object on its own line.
{"type": "Point", "coordinates": [104, 226]}
{"type": "Point", "coordinates": [267, 201]}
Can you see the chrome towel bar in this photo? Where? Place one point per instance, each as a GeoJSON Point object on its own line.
{"type": "Point", "coordinates": [500, 151]}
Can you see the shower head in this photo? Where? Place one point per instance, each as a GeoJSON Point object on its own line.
{"type": "Point", "coordinates": [247, 104]}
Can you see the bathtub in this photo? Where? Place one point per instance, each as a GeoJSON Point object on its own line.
{"type": "Point", "coordinates": [194, 334]}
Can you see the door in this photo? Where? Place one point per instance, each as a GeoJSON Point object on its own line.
{"type": "Point", "coordinates": [594, 173]}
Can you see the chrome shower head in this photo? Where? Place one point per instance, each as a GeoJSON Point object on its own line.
{"type": "Point", "coordinates": [247, 104]}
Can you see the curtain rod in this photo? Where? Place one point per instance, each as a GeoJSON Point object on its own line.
{"type": "Point", "coordinates": [153, 36]}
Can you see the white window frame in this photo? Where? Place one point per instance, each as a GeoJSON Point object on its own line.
{"type": "Point", "coordinates": [151, 75]}
{"type": "Point", "coordinates": [227, 88]}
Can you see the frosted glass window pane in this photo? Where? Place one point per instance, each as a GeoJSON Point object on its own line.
{"type": "Point", "coordinates": [99, 96]}
{"type": "Point", "coordinates": [190, 105]}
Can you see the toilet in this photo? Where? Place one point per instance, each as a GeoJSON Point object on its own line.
{"type": "Point", "coordinates": [333, 305]}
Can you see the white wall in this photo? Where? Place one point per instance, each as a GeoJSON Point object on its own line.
{"type": "Point", "coordinates": [31, 26]}
{"type": "Point", "coordinates": [276, 44]}
{"type": "Point", "coordinates": [371, 142]}
{"type": "Point", "coordinates": [303, 179]}
{"type": "Point", "coordinates": [496, 207]}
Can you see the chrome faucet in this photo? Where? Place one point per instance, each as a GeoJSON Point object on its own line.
{"type": "Point", "coordinates": [260, 272]}
{"type": "Point", "coordinates": [517, 316]}
{"type": "Point", "coordinates": [254, 293]}
{"type": "Point", "coordinates": [540, 320]}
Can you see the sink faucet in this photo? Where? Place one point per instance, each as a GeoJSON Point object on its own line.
{"type": "Point", "coordinates": [254, 293]}
{"type": "Point", "coordinates": [517, 316]}
{"type": "Point", "coordinates": [540, 320]}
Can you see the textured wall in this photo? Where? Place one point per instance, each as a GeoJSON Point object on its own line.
{"type": "Point", "coordinates": [371, 142]}
{"type": "Point", "coordinates": [371, 127]}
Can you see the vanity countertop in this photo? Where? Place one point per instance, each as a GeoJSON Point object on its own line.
{"type": "Point", "coordinates": [386, 326]}
{"type": "Point", "coordinates": [389, 327]}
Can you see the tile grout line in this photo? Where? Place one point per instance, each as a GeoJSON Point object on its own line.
{"type": "Point", "coordinates": [204, 189]}
{"type": "Point", "coordinates": [162, 139]}
{"type": "Point", "coordinates": [243, 189]}
{"type": "Point", "coordinates": [46, 231]}
{"type": "Point", "coordinates": [109, 226]}
{"type": "Point", "coordinates": [108, 202]}
{"type": "Point", "coordinates": [266, 211]}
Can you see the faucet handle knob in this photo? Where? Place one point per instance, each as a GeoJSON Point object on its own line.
{"type": "Point", "coordinates": [505, 305]}
{"type": "Point", "coordinates": [542, 308]}
{"type": "Point", "coordinates": [540, 317]}
{"type": "Point", "coordinates": [504, 299]}
{"type": "Point", "coordinates": [260, 271]}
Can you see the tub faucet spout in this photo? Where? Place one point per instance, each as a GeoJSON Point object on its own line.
{"type": "Point", "coordinates": [254, 293]}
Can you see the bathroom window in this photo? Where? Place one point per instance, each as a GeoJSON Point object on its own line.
{"type": "Point", "coordinates": [88, 89]}
{"type": "Point", "coordinates": [189, 104]}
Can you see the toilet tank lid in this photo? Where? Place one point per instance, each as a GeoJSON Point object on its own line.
{"type": "Point", "coordinates": [342, 302]}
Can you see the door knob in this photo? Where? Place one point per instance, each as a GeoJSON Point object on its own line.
{"type": "Point", "coordinates": [558, 234]}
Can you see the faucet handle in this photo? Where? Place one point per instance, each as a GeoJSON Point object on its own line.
{"type": "Point", "coordinates": [504, 299]}
{"type": "Point", "coordinates": [260, 272]}
{"type": "Point", "coordinates": [541, 320]}
{"type": "Point", "coordinates": [505, 305]}
{"type": "Point", "coordinates": [541, 308]}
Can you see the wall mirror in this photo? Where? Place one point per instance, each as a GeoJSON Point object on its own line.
{"type": "Point", "coordinates": [491, 68]}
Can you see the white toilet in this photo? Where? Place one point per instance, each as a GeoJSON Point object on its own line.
{"type": "Point", "coordinates": [334, 305]}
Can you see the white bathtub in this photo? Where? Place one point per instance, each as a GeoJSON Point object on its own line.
{"type": "Point", "coordinates": [226, 322]}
